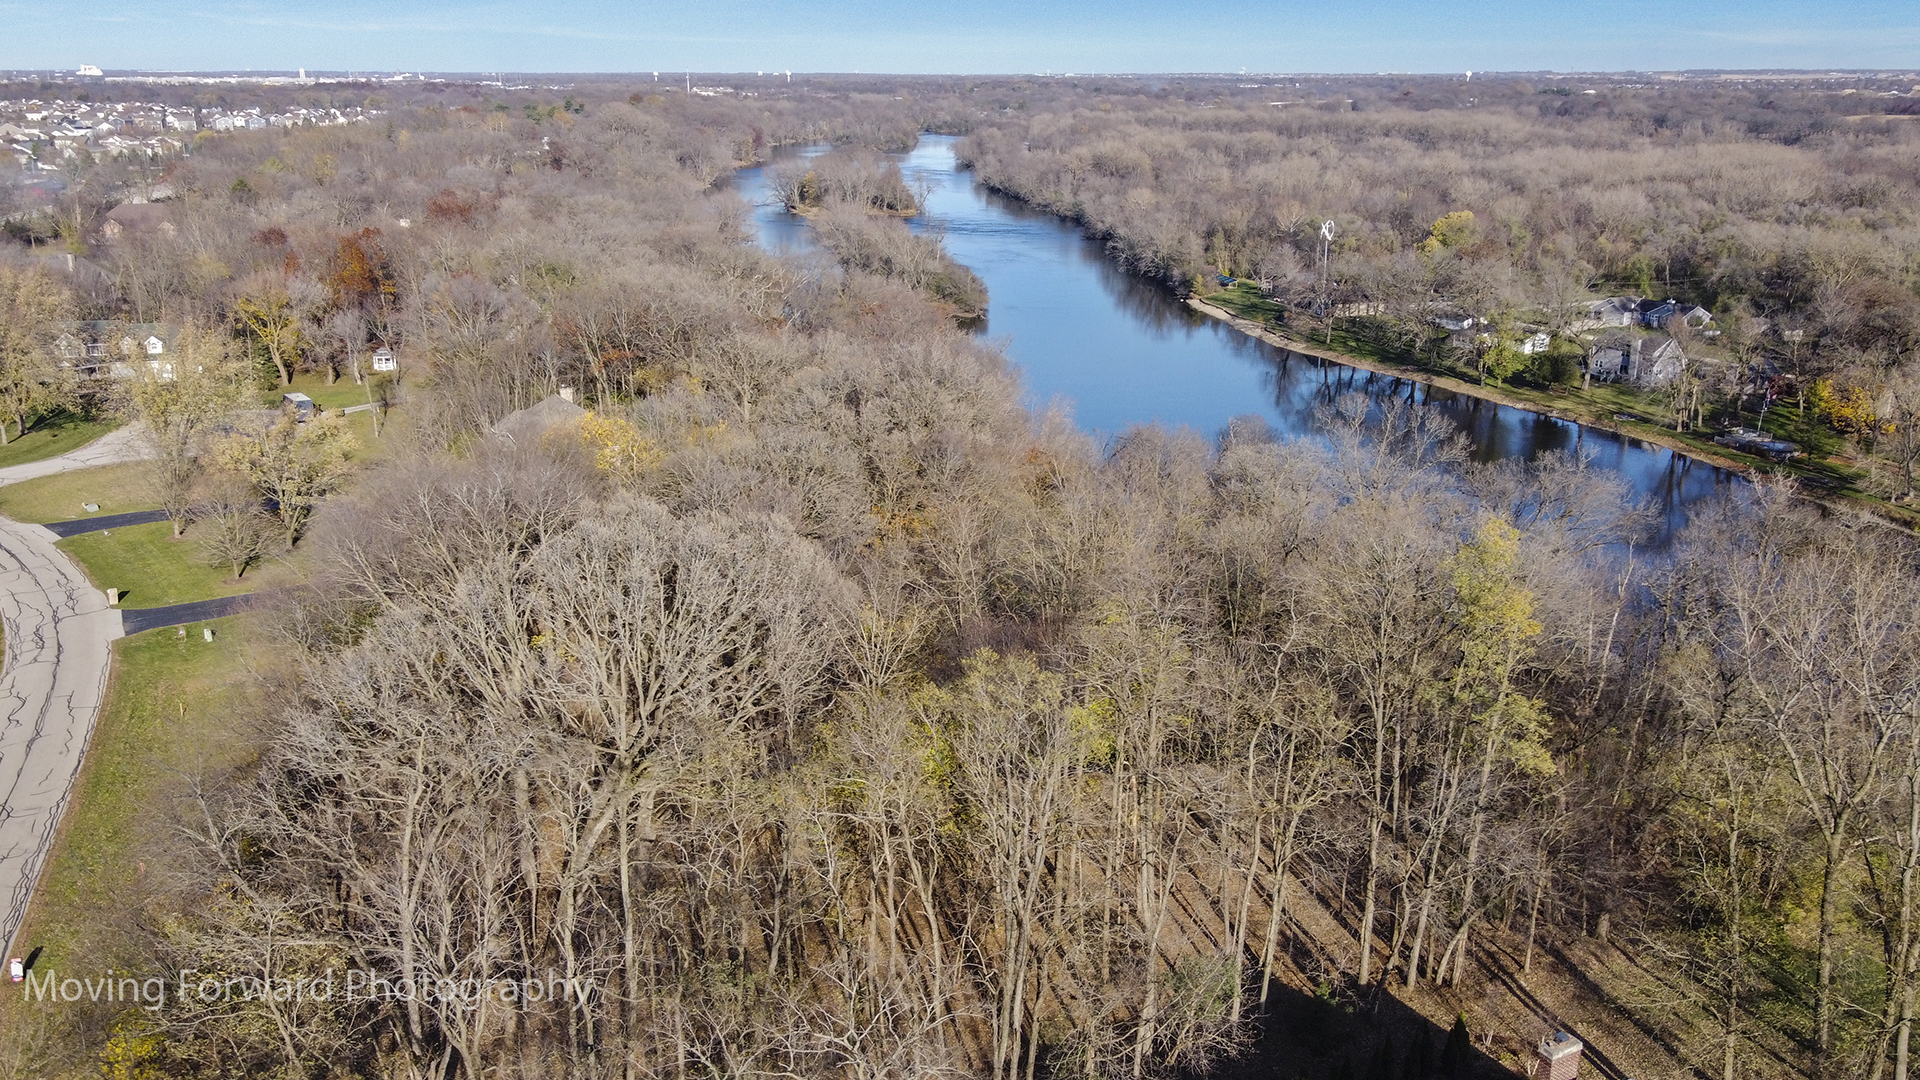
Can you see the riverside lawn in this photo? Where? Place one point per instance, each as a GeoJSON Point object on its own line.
{"type": "Point", "coordinates": [353, 984]}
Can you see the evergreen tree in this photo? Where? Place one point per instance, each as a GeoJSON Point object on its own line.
{"type": "Point", "coordinates": [1420, 1060]}
{"type": "Point", "coordinates": [1386, 1061]}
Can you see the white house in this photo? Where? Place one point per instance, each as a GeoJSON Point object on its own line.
{"type": "Point", "coordinates": [116, 350]}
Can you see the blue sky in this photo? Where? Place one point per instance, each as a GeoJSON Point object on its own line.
{"type": "Point", "coordinates": [983, 36]}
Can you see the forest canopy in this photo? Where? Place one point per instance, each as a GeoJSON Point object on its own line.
{"type": "Point", "coordinates": [827, 713]}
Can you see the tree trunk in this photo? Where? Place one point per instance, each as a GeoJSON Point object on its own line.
{"type": "Point", "coordinates": [1369, 913]}
{"type": "Point", "coordinates": [1533, 910]}
{"type": "Point", "coordinates": [1829, 916]}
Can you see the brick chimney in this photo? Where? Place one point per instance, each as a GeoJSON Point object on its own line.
{"type": "Point", "coordinates": [1560, 1054]}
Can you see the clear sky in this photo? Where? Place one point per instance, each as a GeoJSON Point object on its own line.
{"type": "Point", "coordinates": [984, 36]}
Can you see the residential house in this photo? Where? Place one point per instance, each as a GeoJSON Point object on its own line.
{"type": "Point", "coordinates": [1614, 311]}
{"type": "Point", "coordinates": [1656, 314]}
{"type": "Point", "coordinates": [1661, 362]}
{"type": "Point", "coordinates": [531, 423]}
{"type": "Point", "coordinates": [1535, 343]}
{"type": "Point", "coordinates": [104, 349]}
{"type": "Point", "coordinates": [139, 219]}
{"type": "Point", "coordinates": [1647, 361]}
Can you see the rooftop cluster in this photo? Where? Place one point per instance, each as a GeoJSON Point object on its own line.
{"type": "Point", "coordinates": [44, 134]}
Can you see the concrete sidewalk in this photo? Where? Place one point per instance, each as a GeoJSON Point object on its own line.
{"type": "Point", "coordinates": [59, 633]}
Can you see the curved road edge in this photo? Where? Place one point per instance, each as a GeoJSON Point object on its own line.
{"type": "Point", "coordinates": [59, 637]}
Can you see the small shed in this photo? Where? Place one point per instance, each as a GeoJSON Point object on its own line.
{"type": "Point", "coordinates": [1559, 1055]}
{"type": "Point", "coordinates": [383, 360]}
{"type": "Point", "coordinates": [301, 404]}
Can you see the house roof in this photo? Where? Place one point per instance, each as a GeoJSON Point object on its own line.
{"type": "Point", "coordinates": [530, 423]}
{"type": "Point", "coordinates": [138, 217]}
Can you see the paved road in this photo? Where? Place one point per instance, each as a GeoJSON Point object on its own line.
{"type": "Point", "coordinates": [59, 633]}
{"type": "Point", "coordinates": [121, 444]}
{"type": "Point", "coordinates": [134, 620]}
{"type": "Point", "coordinates": [64, 529]}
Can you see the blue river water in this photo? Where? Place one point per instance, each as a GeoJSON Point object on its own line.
{"type": "Point", "coordinates": [1120, 351]}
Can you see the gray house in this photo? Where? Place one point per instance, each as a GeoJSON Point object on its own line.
{"type": "Point", "coordinates": [1614, 311]}
{"type": "Point", "coordinates": [534, 421]}
{"type": "Point", "coordinates": [1648, 361]}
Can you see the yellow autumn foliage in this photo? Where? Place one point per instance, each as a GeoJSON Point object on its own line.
{"type": "Point", "coordinates": [620, 449]}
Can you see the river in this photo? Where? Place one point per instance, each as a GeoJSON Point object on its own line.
{"type": "Point", "coordinates": [1120, 351]}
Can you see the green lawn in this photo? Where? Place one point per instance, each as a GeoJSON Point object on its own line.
{"type": "Point", "coordinates": [338, 396]}
{"type": "Point", "coordinates": [150, 567]}
{"type": "Point", "coordinates": [52, 437]}
{"type": "Point", "coordinates": [169, 715]}
{"type": "Point", "coordinates": [116, 489]}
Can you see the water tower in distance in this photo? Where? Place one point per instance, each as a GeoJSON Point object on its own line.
{"type": "Point", "coordinates": [1559, 1054]}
